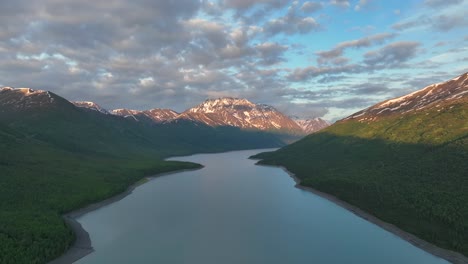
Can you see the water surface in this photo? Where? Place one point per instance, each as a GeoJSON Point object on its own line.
{"type": "Point", "coordinates": [233, 211]}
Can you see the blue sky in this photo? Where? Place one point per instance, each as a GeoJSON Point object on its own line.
{"type": "Point", "coordinates": [307, 58]}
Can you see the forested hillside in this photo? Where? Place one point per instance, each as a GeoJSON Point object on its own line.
{"type": "Point", "coordinates": [409, 169]}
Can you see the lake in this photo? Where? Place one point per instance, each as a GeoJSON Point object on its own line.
{"type": "Point", "coordinates": [233, 211]}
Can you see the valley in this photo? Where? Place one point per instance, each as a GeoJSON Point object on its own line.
{"type": "Point", "coordinates": [363, 103]}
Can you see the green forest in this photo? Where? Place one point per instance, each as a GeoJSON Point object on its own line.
{"type": "Point", "coordinates": [60, 158]}
{"type": "Point", "coordinates": [410, 170]}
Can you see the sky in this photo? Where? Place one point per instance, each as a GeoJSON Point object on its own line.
{"type": "Point", "coordinates": [324, 59]}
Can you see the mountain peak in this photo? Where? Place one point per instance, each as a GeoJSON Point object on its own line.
{"type": "Point", "coordinates": [91, 106]}
{"type": "Point", "coordinates": [210, 105]}
{"type": "Point", "coordinates": [242, 113]}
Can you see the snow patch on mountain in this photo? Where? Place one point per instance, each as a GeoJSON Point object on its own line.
{"type": "Point", "coordinates": [156, 115]}
{"type": "Point", "coordinates": [91, 106]}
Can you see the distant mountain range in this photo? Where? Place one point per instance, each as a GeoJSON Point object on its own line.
{"type": "Point", "coordinates": [404, 160]}
{"type": "Point", "coordinates": [224, 111]}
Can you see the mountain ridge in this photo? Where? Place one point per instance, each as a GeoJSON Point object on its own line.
{"type": "Point", "coordinates": [225, 111]}
{"type": "Point", "coordinates": [443, 94]}
{"type": "Point", "coordinates": [241, 113]}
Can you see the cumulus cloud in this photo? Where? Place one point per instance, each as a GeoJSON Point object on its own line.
{"type": "Point", "coordinates": [271, 53]}
{"type": "Point", "coordinates": [441, 22]}
{"type": "Point", "coordinates": [441, 3]}
{"type": "Point", "coordinates": [246, 4]}
{"type": "Point", "coordinates": [291, 23]}
{"type": "Point", "coordinates": [304, 74]}
{"type": "Point", "coordinates": [449, 22]}
{"type": "Point", "coordinates": [340, 3]}
{"type": "Point", "coordinates": [392, 55]}
{"type": "Point", "coordinates": [311, 7]}
{"type": "Point", "coordinates": [337, 51]}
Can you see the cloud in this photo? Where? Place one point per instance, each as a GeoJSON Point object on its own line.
{"type": "Point", "coordinates": [361, 4]}
{"type": "Point", "coordinates": [369, 89]}
{"type": "Point", "coordinates": [247, 4]}
{"type": "Point", "coordinates": [337, 51]}
{"type": "Point", "coordinates": [303, 74]}
{"type": "Point", "coordinates": [291, 23]}
{"type": "Point", "coordinates": [392, 55]}
{"type": "Point", "coordinates": [438, 22]}
{"type": "Point", "coordinates": [449, 22]}
{"type": "Point", "coordinates": [271, 53]}
{"type": "Point", "coordinates": [441, 3]}
{"type": "Point", "coordinates": [311, 7]}
{"type": "Point", "coordinates": [340, 3]}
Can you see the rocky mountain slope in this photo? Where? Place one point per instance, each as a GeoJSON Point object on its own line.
{"type": "Point", "coordinates": [240, 113]}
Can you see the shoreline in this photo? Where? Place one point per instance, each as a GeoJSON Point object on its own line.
{"type": "Point", "coordinates": [448, 255]}
{"type": "Point", "coordinates": [82, 245]}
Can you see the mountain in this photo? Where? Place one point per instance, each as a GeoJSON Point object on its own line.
{"type": "Point", "coordinates": [160, 115]}
{"type": "Point", "coordinates": [127, 113]}
{"type": "Point", "coordinates": [90, 105]}
{"type": "Point", "coordinates": [19, 99]}
{"type": "Point", "coordinates": [404, 160]}
{"type": "Point", "coordinates": [311, 125]}
{"type": "Point", "coordinates": [156, 115]}
{"type": "Point", "coordinates": [240, 113]}
{"type": "Point", "coordinates": [438, 96]}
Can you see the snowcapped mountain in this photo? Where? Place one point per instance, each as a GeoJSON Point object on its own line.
{"type": "Point", "coordinates": [440, 95]}
{"type": "Point", "coordinates": [156, 115]}
{"type": "Point", "coordinates": [240, 113]}
{"type": "Point", "coordinates": [91, 106]}
{"type": "Point", "coordinates": [311, 125]}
